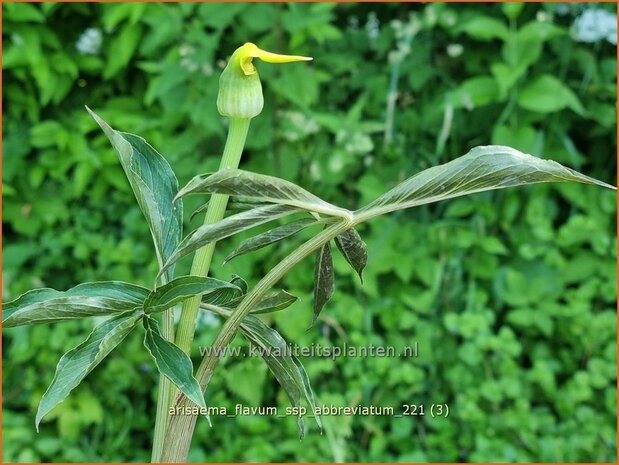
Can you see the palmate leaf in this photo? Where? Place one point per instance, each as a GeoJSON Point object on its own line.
{"type": "Point", "coordinates": [482, 169]}
{"type": "Point", "coordinates": [354, 250]}
{"type": "Point", "coordinates": [172, 362]}
{"type": "Point", "coordinates": [227, 227]}
{"type": "Point", "coordinates": [78, 362]}
{"type": "Point", "coordinates": [154, 185]}
{"type": "Point", "coordinates": [271, 237]}
{"type": "Point", "coordinates": [286, 368]}
{"type": "Point", "coordinates": [324, 279]}
{"type": "Point", "coordinates": [260, 188]}
{"type": "Point", "coordinates": [84, 300]}
{"type": "Point", "coordinates": [183, 288]}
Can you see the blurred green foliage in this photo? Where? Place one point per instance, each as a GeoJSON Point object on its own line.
{"type": "Point", "coordinates": [511, 294]}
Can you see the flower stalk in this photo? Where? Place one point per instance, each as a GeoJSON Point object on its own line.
{"type": "Point", "coordinates": [237, 134]}
{"type": "Point", "coordinates": [166, 390]}
{"type": "Point", "coordinates": [240, 98]}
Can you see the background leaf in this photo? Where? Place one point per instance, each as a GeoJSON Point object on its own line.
{"type": "Point", "coordinates": [475, 92]}
{"type": "Point", "coordinates": [546, 94]}
{"type": "Point", "coordinates": [485, 28]}
{"type": "Point", "coordinates": [122, 49]}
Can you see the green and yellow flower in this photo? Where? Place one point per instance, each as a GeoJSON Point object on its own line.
{"type": "Point", "coordinates": [240, 91]}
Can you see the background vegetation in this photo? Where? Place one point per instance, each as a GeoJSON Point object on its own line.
{"type": "Point", "coordinates": [511, 294]}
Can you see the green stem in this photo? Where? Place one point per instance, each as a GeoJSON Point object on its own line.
{"type": "Point", "coordinates": [181, 427]}
{"type": "Point", "coordinates": [231, 157]}
{"type": "Point", "coordinates": [165, 386]}
{"type": "Point", "coordinates": [216, 210]}
{"type": "Point", "coordinates": [165, 393]}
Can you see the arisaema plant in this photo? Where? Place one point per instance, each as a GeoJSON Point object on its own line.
{"type": "Point", "coordinates": [236, 201]}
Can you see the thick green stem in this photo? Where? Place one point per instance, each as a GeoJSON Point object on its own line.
{"type": "Point", "coordinates": [201, 264]}
{"type": "Point", "coordinates": [216, 210]}
{"type": "Point", "coordinates": [165, 387]}
{"type": "Point", "coordinates": [181, 427]}
{"type": "Point", "coordinates": [165, 393]}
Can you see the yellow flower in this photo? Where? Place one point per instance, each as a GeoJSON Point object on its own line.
{"type": "Point", "coordinates": [240, 91]}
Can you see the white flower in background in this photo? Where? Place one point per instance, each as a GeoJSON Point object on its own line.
{"type": "Point", "coordinates": [353, 23]}
{"type": "Point", "coordinates": [449, 18]}
{"type": "Point", "coordinates": [17, 39]}
{"type": "Point", "coordinates": [89, 43]}
{"type": "Point", "coordinates": [189, 65]}
{"type": "Point", "coordinates": [543, 16]}
{"type": "Point", "coordinates": [563, 9]}
{"type": "Point", "coordinates": [185, 49]}
{"type": "Point", "coordinates": [455, 50]}
{"type": "Point", "coordinates": [430, 17]}
{"type": "Point", "coordinates": [354, 142]}
{"type": "Point", "coordinates": [188, 62]}
{"type": "Point", "coordinates": [296, 125]}
{"type": "Point", "coordinates": [594, 25]}
{"type": "Point", "coordinates": [404, 33]}
{"type": "Point", "coordinates": [207, 69]}
{"type": "Point", "coordinates": [336, 164]}
{"type": "Point", "coordinates": [314, 170]}
{"type": "Point", "coordinates": [372, 26]}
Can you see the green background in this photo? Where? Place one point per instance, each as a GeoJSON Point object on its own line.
{"type": "Point", "coordinates": [510, 294]}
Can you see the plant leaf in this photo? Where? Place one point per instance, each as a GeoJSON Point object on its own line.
{"type": "Point", "coordinates": [261, 188]}
{"type": "Point", "coordinates": [354, 250]}
{"type": "Point", "coordinates": [240, 282]}
{"type": "Point", "coordinates": [483, 168]}
{"type": "Point", "coordinates": [81, 360]}
{"type": "Point", "coordinates": [547, 94]}
{"type": "Point", "coordinates": [286, 368]}
{"type": "Point", "coordinates": [272, 302]}
{"type": "Point", "coordinates": [234, 204]}
{"type": "Point", "coordinates": [172, 362]}
{"type": "Point", "coordinates": [84, 300]}
{"type": "Point", "coordinates": [324, 279]}
{"type": "Point", "coordinates": [183, 288]}
{"type": "Point", "coordinates": [227, 227]}
{"type": "Point", "coordinates": [271, 236]}
{"type": "Point", "coordinates": [222, 296]}
{"type": "Point", "coordinates": [154, 185]}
